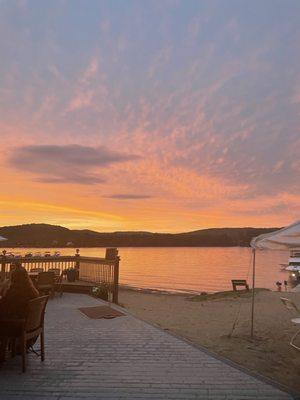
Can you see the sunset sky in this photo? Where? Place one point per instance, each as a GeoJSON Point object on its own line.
{"type": "Point", "coordinates": [159, 115]}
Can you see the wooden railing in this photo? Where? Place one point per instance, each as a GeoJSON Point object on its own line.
{"type": "Point", "coordinates": [101, 270]}
{"type": "Point", "coordinates": [90, 269]}
{"type": "Point", "coordinates": [295, 253]}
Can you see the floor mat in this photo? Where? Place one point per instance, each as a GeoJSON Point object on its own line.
{"type": "Point", "coordinates": [100, 312]}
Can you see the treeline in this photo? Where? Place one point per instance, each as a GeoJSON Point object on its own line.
{"type": "Point", "coordinates": [43, 235]}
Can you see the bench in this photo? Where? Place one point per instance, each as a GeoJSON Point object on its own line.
{"type": "Point", "coordinates": [239, 282]}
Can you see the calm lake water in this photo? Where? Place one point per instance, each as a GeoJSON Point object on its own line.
{"type": "Point", "coordinates": [186, 269]}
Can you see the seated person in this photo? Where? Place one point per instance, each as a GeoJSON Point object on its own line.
{"type": "Point", "coordinates": [14, 300]}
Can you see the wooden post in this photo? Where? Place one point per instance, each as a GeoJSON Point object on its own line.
{"type": "Point", "coordinates": [116, 280]}
{"type": "Point", "coordinates": [3, 265]}
{"type": "Point", "coordinates": [77, 263]}
{"type": "Point", "coordinates": [111, 253]}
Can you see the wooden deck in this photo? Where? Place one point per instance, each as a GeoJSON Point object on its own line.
{"type": "Point", "coordinates": [122, 358]}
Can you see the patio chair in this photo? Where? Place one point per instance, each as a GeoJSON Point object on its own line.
{"type": "Point", "coordinates": [56, 271]}
{"type": "Point", "coordinates": [36, 270]}
{"type": "Point", "coordinates": [46, 282]}
{"type": "Point", "coordinates": [58, 278]}
{"type": "Point", "coordinates": [24, 330]}
{"type": "Point", "coordinates": [290, 305]}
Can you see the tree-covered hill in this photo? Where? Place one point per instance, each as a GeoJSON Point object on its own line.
{"type": "Point", "coordinates": [43, 235]}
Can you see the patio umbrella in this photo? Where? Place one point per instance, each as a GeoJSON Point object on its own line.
{"type": "Point", "coordinates": [282, 239]}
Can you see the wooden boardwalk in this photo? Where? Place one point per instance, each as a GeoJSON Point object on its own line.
{"type": "Point", "coordinates": [122, 358]}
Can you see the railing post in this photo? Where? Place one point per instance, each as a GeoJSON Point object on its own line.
{"type": "Point", "coordinates": [77, 263]}
{"type": "Point", "coordinates": [116, 280]}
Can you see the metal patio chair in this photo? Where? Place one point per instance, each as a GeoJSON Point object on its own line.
{"type": "Point", "coordinates": [58, 278]}
{"type": "Point", "coordinates": [36, 269]}
{"type": "Point", "coordinates": [46, 282]}
{"type": "Point", "coordinates": [290, 305]}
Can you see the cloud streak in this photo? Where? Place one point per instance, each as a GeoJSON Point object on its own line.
{"type": "Point", "coordinates": [129, 196]}
{"type": "Point", "coordinates": [66, 163]}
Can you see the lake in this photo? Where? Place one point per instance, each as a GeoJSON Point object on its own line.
{"type": "Point", "coordinates": [189, 269]}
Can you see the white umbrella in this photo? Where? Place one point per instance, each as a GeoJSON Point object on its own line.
{"type": "Point", "coordinates": [283, 239]}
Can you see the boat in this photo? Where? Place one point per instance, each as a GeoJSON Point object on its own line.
{"type": "Point", "coordinates": [294, 267]}
{"type": "Point", "coordinates": [28, 255]}
{"type": "Point", "coordinates": [283, 266]}
{"type": "Point", "coordinates": [10, 255]}
{"type": "Point", "coordinates": [56, 254]}
{"type": "Point", "coordinates": [47, 254]}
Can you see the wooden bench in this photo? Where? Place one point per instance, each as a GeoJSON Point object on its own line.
{"type": "Point", "coordinates": [239, 282]}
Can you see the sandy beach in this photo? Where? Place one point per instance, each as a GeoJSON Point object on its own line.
{"type": "Point", "coordinates": [209, 322]}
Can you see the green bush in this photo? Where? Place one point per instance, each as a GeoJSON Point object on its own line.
{"type": "Point", "coordinates": [101, 291]}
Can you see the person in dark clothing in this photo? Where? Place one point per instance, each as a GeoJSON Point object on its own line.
{"type": "Point", "coordinates": [13, 304]}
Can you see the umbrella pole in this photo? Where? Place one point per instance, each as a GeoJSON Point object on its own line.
{"type": "Point", "coordinates": [253, 295]}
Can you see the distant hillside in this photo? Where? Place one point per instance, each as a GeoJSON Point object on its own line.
{"type": "Point", "coordinates": [43, 235]}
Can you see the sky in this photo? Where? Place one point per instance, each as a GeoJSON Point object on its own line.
{"type": "Point", "coordinates": [160, 115]}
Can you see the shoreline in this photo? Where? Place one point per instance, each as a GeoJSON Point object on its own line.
{"type": "Point", "coordinates": [166, 292]}
{"type": "Point", "coordinates": [204, 294]}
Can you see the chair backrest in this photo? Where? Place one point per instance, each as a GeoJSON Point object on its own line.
{"type": "Point", "coordinates": [46, 278]}
{"type": "Point", "coordinates": [290, 305]}
{"type": "Point", "coordinates": [55, 270]}
{"type": "Point", "coordinates": [35, 313]}
{"type": "Point", "coordinates": [37, 270]}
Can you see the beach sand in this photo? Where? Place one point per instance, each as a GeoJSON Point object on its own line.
{"type": "Point", "coordinates": [209, 323]}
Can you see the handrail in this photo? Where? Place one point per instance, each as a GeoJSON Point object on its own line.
{"type": "Point", "coordinates": [91, 259]}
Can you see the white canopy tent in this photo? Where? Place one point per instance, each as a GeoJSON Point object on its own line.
{"type": "Point", "coordinates": [283, 239]}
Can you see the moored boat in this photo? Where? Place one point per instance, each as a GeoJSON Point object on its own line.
{"type": "Point", "coordinates": [28, 255]}
{"type": "Point", "coordinates": [294, 267]}
{"type": "Point", "coordinates": [10, 255]}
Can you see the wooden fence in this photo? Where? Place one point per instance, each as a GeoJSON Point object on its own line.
{"type": "Point", "coordinates": [90, 269]}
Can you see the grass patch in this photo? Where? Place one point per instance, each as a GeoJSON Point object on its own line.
{"type": "Point", "coordinates": [230, 294]}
